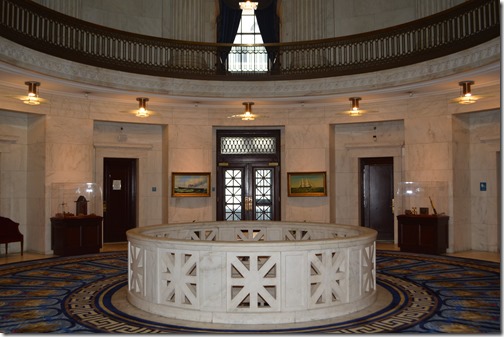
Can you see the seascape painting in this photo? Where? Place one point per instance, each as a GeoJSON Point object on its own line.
{"type": "Point", "coordinates": [191, 184]}
{"type": "Point", "coordinates": [308, 184]}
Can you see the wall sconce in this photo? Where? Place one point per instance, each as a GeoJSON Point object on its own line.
{"type": "Point", "coordinates": [32, 97]}
{"type": "Point", "coordinates": [466, 97]}
{"type": "Point", "coordinates": [354, 112]}
{"type": "Point", "coordinates": [142, 107]}
{"type": "Point", "coordinates": [248, 115]}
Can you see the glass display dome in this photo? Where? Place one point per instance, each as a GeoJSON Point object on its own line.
{"type": "Point", "coordinates": [76, 200]}
{"type": "Point", "coordinates": [422, 198]}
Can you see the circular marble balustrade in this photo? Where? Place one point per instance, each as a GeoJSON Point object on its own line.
{"type": "Point", "coordinates": [251, 272]}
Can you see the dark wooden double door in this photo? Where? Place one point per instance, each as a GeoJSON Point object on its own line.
{"type": "Point", "coordinates": [248, 175]}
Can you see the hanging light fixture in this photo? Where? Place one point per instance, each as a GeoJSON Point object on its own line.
{"type": "Point", "coordinates": [248, 5]}
{"type": "Point", "coordinates": [142, 107]}
{"type": "Point", "coordinates": [248, 116]}
{"type": "Point", "coordinates": [32, 98]}
{"type": "Point", "coordinates": [466, 97]}
{"type": "Point", "coordinates": [354, 112]}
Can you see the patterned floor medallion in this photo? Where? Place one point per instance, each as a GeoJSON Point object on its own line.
{"type": "Point", "coordinates": [419, 293]}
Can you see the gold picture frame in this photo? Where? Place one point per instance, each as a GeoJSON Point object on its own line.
{"type": "Point", "coordinates": [191, 184]}
{"type": "Point", "coordinates": [306, 184]}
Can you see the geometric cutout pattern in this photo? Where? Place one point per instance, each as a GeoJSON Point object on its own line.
{"type": "Point", "coordinates": [179, 275]}
{"type": "Point", "coordinates": [233, 194]}
{"type": "Point", "coordinates": [263, 194]}
{"type": "Point", "coordinates": [203, 235]}
{"type": "Point", "coordinates": [248, 145]}
{"type": "Point", "coordinates": [368, 268]}
{"type": "Point", "coordinates": [254, 282]}
{"type": "Point", "coordinates": [250, 234]}
{"type": "Point", "coordinates": [137, 271]}
{"type": "Point", "coordinates": [328, 278]}
{"type": "Point", "coordinates": [297, 234]}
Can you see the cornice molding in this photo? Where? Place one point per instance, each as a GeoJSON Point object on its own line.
{"type": "Point", "coordinates": [22, 57]}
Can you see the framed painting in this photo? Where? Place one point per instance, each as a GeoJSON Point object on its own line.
{"type": "Point", "coordinates": [188, 184]}
{"type": "Point", "coordinates": [306, 184]}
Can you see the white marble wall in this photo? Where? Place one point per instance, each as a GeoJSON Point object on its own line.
{"type": "Point", "coordinates": [461, 184]}
{"type": "Point", "coordinates": [138, 141]}
{"type": "Point", "coordinates": [38, 231]}
{"type": "Point", "coordinates": [484, 152]}
{"type": "Point", "coordinates": [13, 166]}
{"type": "Point", "coordinates": [190, 150]}
{"type": "Point", "coordinates": [429, 139]}
{"type": "Point", "coordinates": [353, 142]}
{"type": "Point", "coordinates": [307, 150]}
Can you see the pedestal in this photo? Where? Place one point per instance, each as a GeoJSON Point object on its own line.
{"type": "Point", "coordinates": [76, 235]}
{"type": "Point", "coordinates": [423, 233]}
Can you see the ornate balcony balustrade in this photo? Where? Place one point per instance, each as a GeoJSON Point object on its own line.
{"type": "Point", "coordinates": [39, 28]}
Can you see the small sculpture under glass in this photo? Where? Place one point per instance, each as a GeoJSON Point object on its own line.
{"type": "Point", "coordinates": [87, 198]}
{"type": "Point", "coordinates": [416, 197]}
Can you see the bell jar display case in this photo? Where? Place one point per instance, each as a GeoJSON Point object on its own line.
{"type": "Point", "coordinates": [421, 216]}
{"type": "Point", "coordinates": [76, 221]}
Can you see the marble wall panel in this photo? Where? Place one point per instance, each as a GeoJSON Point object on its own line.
{"type": "Point", "coordinates": [431, 129]}
{"type": "Point", "coordinates": [149, 213]}
{"type": "Point", "coordinates": [67, 130]}
{"type": "Point", "coordinates": [189, 136]}
{"type": "Point", "coordinates": [189, 209]}
{"type": "Point", "coordinates": [69, 160]}
{"type": "Point", "coordinates": [306, 160]}
{"type": "Point", "coordinates": [310, 209]}
{"type": "Point", "coordinates": [190, 160]}
{"type": "Point", "coordinates": [427, 157]}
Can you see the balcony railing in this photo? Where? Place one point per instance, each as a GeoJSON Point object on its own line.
{"type": "Point", "coordinates": [39, 28]}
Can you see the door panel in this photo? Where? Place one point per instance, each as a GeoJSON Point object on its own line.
{"type": "Point", "coordinates": [248, 175]}
{"type": "Point", "coordinates": [248, 192]}
{"type": "Point", "coordinates": [377, 195]}
{"type": "Point", "coordinates": [233, 179]}
{"type": "Point", "coordinates": [263, 195]}
{"type": "Point", "coordinates": [120, 192]}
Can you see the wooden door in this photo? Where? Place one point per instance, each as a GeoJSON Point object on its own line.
{"type": "Point", "coordinates": [248, 175]}
{"type": "Point", "coordinates": [119, 198]}
{"type": "Point", "coordinates": [377, 194]}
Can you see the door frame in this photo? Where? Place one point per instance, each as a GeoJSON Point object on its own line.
{"type": "Point", "coordinates": [107, 151]}
{"type": "Point", "coordinates": [253, 161]}
{"type": "Point", "coordinates": [133, 192]}
{"type": "Point", "coordinates": [389, 160]}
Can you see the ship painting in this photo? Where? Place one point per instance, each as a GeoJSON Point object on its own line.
{"type": "Point", "coordinates": [191, 185]}
{"type": "Point", "coordinates": [307, 184]}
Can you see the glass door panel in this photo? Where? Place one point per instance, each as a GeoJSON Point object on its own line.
{"type": "Point", "coordinates": [247, 193]}
{"type": "Point", "coordinates": [233, 194]}
{"type": "Point", "coordinates": [263, 190]}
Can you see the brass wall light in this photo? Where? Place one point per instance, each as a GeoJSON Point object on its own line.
{"type": "Point", "coordinates": [142, 107]}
